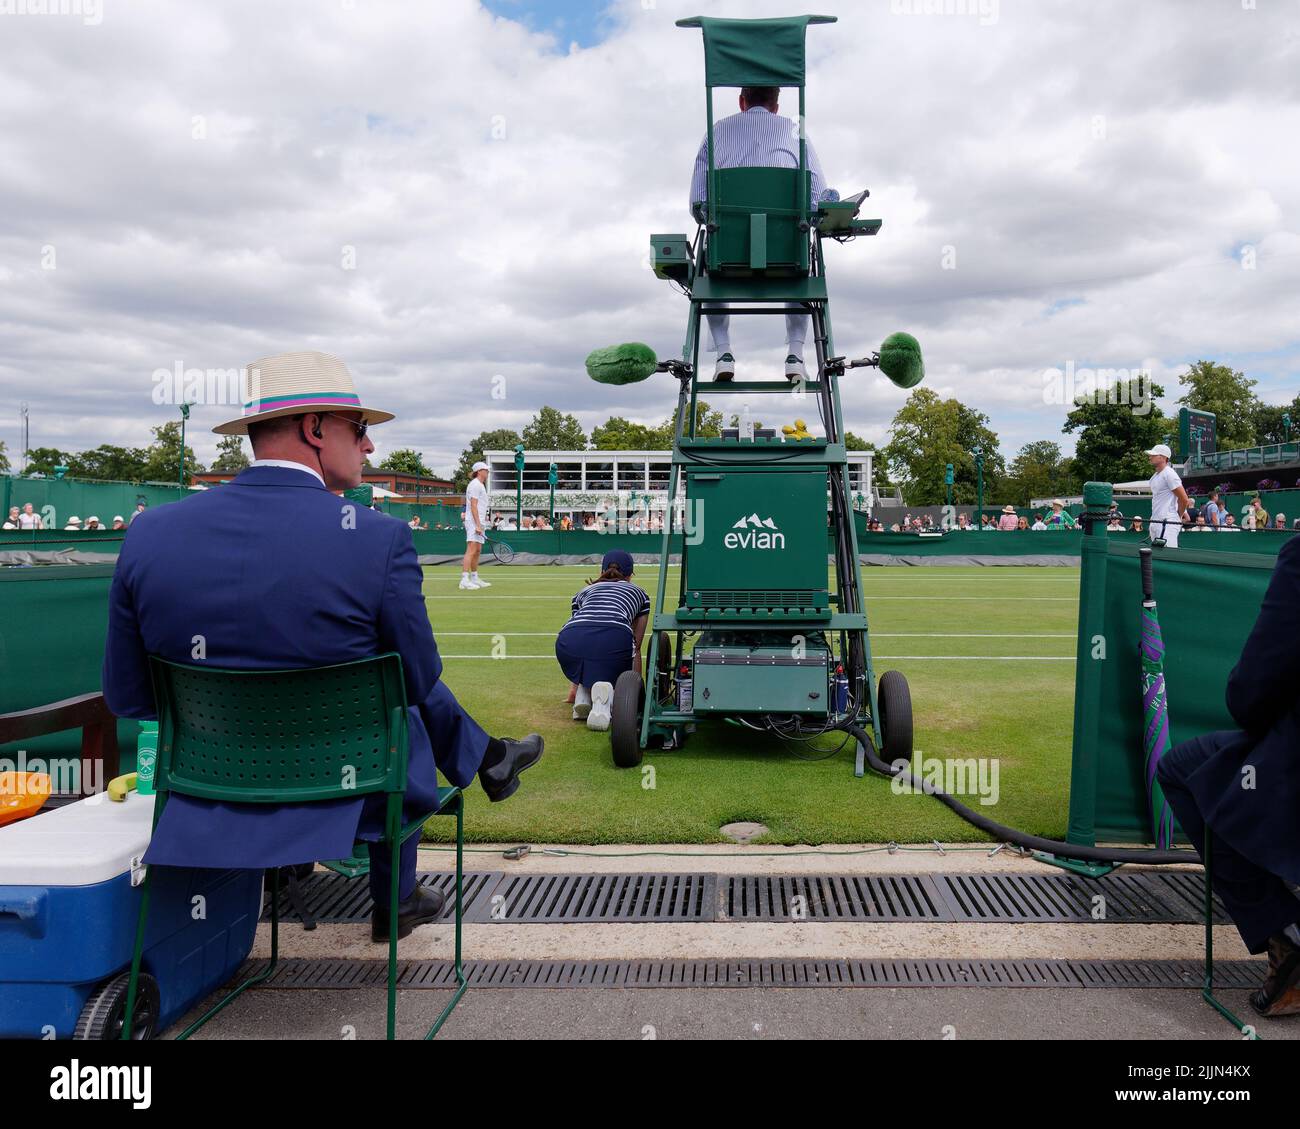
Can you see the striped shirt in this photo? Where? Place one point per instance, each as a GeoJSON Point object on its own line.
{"type": "Point", "coordinates": [757, 138]}
{"type": "Point", "coordinates": [610, 602]}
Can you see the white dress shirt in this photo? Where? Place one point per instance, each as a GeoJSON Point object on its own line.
{"type": "Point", "coordinates": [287, 465]}
{"type": "Point", "coordinates": [757, 138]}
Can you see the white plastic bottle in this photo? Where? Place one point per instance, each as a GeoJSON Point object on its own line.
{"type": "Point", "coordinates": [746, 423]}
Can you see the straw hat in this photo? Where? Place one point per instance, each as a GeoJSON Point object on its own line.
{"type": "Point", "coordinates": [288, 384]}
{"type": "Point", "coordinates": [1058, 502]}
{"type": "Point", "coordinates": [1008, 509]}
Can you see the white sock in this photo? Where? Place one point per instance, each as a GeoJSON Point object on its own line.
{"type": "Point", "coordinates": [464, 575]}
{"type": "Point", "coordinates": [474, 575]}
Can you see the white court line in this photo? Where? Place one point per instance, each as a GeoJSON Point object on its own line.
{"type": "Point", "coordinates": [874, 657]}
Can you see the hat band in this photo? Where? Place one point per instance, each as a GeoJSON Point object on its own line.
{"type": "Point", "coordinates": [314, 400]}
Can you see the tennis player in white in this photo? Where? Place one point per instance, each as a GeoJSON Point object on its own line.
{"type": "Point", "coordinates": [476, 519]}
{"type": "Point", "coordinates": [1169, 500]}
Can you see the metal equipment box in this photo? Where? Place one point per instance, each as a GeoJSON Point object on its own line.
{"type": "Point", "coordinates": [761, 679]}
{"type": "Point", "coordinates": [759, 537]}
{"type": "Point", "coordinates": [672, 257]}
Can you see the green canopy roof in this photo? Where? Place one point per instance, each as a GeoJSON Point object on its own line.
{"type": "Point", "coordinates": [754, 52]}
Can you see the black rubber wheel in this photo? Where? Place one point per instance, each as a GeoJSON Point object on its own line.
{"type": "Point", "coordinates": [894, 700]}
{"type": "Point", "coordinates": [105, 1011]}
{"type": "Point", "coordinates": [625, 719]}
{"type": "Point", "coordinates": [664, 674]}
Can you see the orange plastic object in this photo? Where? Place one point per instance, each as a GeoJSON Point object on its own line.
{"type": "Point", "coordinates": [22, 794]}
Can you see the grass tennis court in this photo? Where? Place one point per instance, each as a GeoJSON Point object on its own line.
{"type": "Point", "coordinates": [989, 654]}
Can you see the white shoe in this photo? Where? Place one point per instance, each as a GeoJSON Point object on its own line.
{"type": "Point", "coordinates": [794, 370]}
{"type": "Point", "coordinates": [479, 582]}
{"type": "Point", "coordinates": [467, 583]}
{"type": "Point", "coordinates": [602, 697]}
{"type": "Point", "coordinates": [725, 368]}
{"type": "Point", "coordinates": [581, 704]}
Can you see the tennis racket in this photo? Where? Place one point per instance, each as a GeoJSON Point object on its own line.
{"type": "Point", "coordinates": [503, 553]}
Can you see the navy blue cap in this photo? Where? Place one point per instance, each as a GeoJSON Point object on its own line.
{"type": "Point", "coordinates": [620, 559]}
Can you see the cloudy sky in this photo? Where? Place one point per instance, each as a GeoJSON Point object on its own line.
{"type": "Point", "coordinates": [448, 192]}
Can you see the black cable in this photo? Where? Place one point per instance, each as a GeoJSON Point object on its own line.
{"type": "Point", "coordinates": [1010, 834]}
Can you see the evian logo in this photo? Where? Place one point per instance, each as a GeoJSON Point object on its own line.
{"type": "Point", "coordinates": [754, 533]}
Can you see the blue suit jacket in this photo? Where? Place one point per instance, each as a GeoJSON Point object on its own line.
{"type": "Point", "coordinates": [274, 572]}
{"type": "Point", "coordinates": [1263, 821]}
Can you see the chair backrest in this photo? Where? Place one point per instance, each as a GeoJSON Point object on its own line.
{"type": "Point", "coordinates": [761, 229]}
{"type": "Point", "coordinates": [281, 736]}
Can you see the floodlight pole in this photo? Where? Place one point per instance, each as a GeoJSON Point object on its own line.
{"type": "Point", "coordinates": [519, 486]}
{"type": "Point", "coordinates": [185, 415]}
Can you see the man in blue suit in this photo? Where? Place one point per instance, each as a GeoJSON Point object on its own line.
{"type": "Point", "coordinates": [274, 571]}
{"type": "Point", "coordinates": [1245, 786]}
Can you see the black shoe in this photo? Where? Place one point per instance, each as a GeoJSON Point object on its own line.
{"type": "Point", "coordinates": [419, 909]}
{"type": "Point", "coordinates": [1280, 993]}
{"type": "Point", "coordinates": [502, 766]}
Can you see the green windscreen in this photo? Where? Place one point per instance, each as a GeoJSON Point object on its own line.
{"type": "Point", "coordinates": [754, 52]}
{"type": "Point", "coordinates": [1107, 790]}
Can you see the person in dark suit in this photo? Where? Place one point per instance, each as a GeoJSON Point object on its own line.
{"type": "Point", "coordinates": [273, 571]}
{"type": "Point", "coordinates": [1244, 785]}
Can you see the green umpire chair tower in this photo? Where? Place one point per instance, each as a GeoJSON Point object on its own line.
{"type": "Point", "coordinates": [760, 633]}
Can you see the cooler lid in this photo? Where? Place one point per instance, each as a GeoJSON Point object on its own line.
{"type": "Point", "coordinates": [78, 844]}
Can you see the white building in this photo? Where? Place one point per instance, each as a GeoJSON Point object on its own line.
{"type": "Point", "coordinates": [597, 481]}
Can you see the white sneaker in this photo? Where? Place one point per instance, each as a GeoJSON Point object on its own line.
{"type": "Point", "coordinates": [467, 583]}
{"type": "Point", "coordinates": [725, 368]}
{"type": "Point", "coordinates": [794, 370]}
{"type": "Point", "coordinates": [581, 704]}
{"type": "Point", "coordinates": [480, 582]}
{"type": "Point", "coordinates": [602, 697]}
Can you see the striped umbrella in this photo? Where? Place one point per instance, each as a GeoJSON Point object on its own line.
{"type": "Point", "coordinates": [1155, 714]}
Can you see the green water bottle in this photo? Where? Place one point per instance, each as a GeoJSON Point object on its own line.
{"type": "Point", "coordinates": [146, 757]}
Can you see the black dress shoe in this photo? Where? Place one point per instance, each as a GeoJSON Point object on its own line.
{"type": "Point", "coordinates": [419, 909]}
{"type": "Point", "coordinates": [1280, 993]}
{"type": "Point", "coordinates": [499, 773]}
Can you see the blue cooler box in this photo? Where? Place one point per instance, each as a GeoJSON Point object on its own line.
{"type": "Point", "coordinates": [69, 901]}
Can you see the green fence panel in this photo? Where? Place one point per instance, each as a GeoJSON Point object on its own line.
{"type": "Point", "coordinates": [53, 621]}
{"type": "Point", "coordinates": [58, 499]}
{"type": "Point", "coordinates": [1208, 602]}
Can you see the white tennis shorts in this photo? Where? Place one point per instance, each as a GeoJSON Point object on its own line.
{"type": "Point", "coordinates": [472, 533]}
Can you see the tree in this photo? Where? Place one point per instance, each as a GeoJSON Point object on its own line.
{"type": "Point", "coordinates": [1039, 471]}
{"type": "Point", "coordinates": [230, 455]}
{"type": "Point", "coordinates": [163, 456]}
{"type": "Point", "coordinates": [1229, 395]}
{"type": "Point", "coordinates": [1113, 436]}
{"type": "Point", "coordinates": [619, 434]}
{"type": "Point", "coordinates": [708, 422]}
{"type": "Point", "coordinates": [1269, 425]}
{"type": "Point", "coordinates": [110, 463]}
{"type": "Point", "coordinates": [43, 460]}
{"type": "Point", "coordinates": [927, 434]}
{"type": "Point", "coordinates": [4, 459]}
{"type": "Point", "coordinates": [500, 440]}
{"type": "Point", "coordinates": [406, 461]}
{"type": "Point", "coordinates": [552, 430]}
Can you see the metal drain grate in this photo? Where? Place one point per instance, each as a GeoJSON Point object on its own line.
{"type": "Point", "coordinates": [1132, 898]}
{"type": "Point", "coordinates": [332, 899]}
{"type": "Point", "coordinates": [839, 898]}
{"type": "Point", "coordinates": [599, 897]}
{"type": "Point", "coordinates": [1114, 974]}
{"type": "Point", "coordinates": [1135, 898]}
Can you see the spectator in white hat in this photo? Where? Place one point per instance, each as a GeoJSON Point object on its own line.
{"type": "Point", "coordinates": [92, 522]}
{"type": "Point", "coordinates": [74, 522]}
{"type": "Point", "coordinates": [476, 521]}
{"type": "Point", "coordinates": [1169, 501]}
{"type": "Point", "coordinates": [11, 522]}
{"type": "Point", "coordinates": [119, 522]}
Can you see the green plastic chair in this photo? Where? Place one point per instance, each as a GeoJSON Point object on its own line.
{"type": "Point", "coordinates": [1207, 984]}
{"type": "Point", "coordinates": [761, 229]}
{"type": "Point", "coordinates": [288, 737]}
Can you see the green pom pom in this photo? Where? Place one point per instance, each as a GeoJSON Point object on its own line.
{"type": "Point", "coordinates": [621, 364]}
{"type": "Point", "coordinates": [900, 360]}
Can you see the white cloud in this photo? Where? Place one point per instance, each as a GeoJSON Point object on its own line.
{"type": "Point", "coordinates": [1096, 167]}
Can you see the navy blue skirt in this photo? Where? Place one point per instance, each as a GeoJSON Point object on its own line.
{"type": "Point", "coordinates": [593, 652]}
